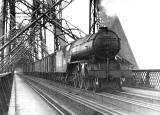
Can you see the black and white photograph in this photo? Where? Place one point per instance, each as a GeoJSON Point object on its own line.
{"type": "Point", "coordinates": [79, 57]}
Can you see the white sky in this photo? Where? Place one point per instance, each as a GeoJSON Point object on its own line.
{"type": "Point", "coordinates": [140, 20]}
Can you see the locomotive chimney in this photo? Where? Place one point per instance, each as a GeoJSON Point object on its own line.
{"type": "Point", "coordinates": [103, 28]}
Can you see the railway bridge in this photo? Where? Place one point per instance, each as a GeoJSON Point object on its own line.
{"type": "Point", "coordinates": [85, 73]}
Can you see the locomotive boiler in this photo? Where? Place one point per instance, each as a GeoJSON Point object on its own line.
{"type": "Point", "coordinates": [87, 63]}
{"type": "Point", "coordinates": [104, 44]}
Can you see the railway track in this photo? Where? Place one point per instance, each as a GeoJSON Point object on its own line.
{"type": "Point", "coordinates": [49, 100]}
{"type": "Point", "coordinates": [136, 96]}
{"type": "Point", "coordinates": [115, 104]}
{"type": "Point", "coordinates": [91, 107]}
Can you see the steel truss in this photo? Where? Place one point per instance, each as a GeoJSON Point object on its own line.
{"type": "Point", "coordinates": [30, 32]}
{"type": "Point", "coordinates": [94, 20]}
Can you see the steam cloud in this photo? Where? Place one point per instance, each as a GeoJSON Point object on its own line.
{"type": "Point", "coordinates": [109, 7]}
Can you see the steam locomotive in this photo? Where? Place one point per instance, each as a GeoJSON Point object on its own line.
{"type": "Point", "coordinates": [87, 63]}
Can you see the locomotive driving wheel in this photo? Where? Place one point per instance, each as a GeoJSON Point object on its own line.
{"type": "Point", "coordinates": [86, 84]}
{"type": "Point", "coordinates": [75, 80]}
{"type": "Point", "coordinates": [76, 77]}
{"type": "Point", "coordinates": [80, 82]}
{"type": "Point", "coordinates": [117, 84]}
{"type": "Point", "coordinates": [95, 84]}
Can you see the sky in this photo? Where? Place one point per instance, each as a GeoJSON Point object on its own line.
{"type": "Point", "coordinates": [140, 20]}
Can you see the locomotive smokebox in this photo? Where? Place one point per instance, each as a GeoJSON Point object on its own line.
{"type": "Point", "coordinates": [106, 43]}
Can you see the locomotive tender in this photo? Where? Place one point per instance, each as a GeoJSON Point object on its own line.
{"type": "Point", "coordinates": [86, 63]}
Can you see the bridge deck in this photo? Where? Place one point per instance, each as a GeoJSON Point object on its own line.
{"type": "Point", "coordinates": [24, 101]}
